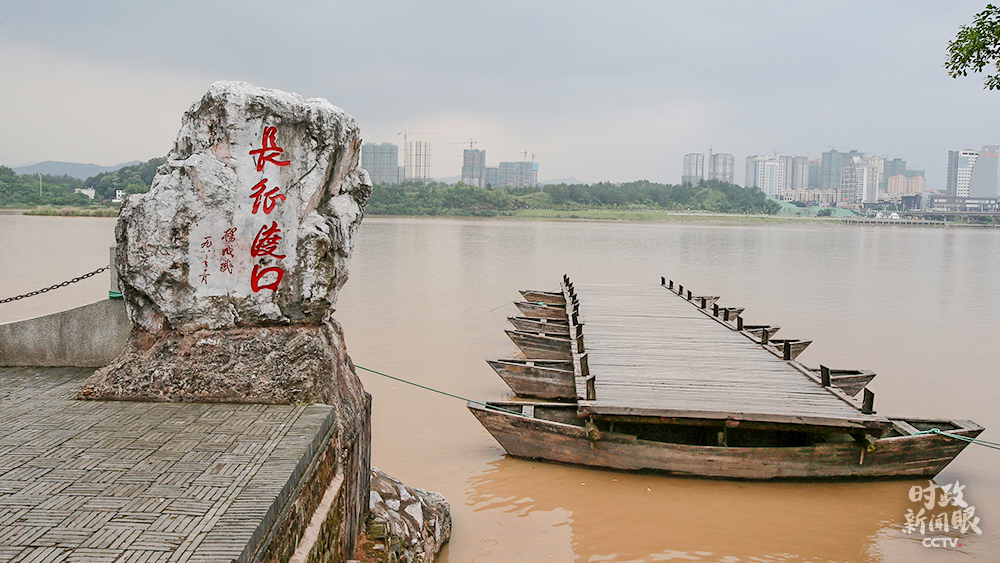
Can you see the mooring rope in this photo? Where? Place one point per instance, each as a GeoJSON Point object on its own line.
{"type": "Point", "coordinates": [445, 393]}
{"type": "Point", "coordinates": [56, 286]}
{"type": "Point", "coordinates": [985, 443]}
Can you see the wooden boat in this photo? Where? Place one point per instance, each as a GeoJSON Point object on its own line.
{"type": "Point", "coordinates": [553, 431]}
{"type": "Point", "coordinates": [551, 327]}
{"type": "Point", "coordinates": [728, 314]}
{"type": "Point", "coordinates": [794, 347]}
{"type": "Point", "coordinates": [758, 330]}
{"type": "Point", "coordinates": [542, 379]}
{"type": "Point", "coordinates": [656, 388]}
{"type": "Point", "coordinates": [539, 310]}
{"type": "Point", "coordinates": [548, 297]}
{"type": "Point", "coordinates": [537, 346]}
{"type": "Point", "coordinates": [850, 380]}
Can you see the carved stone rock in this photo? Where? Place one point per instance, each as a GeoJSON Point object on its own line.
{"type": "Point", "coordinates": [251, 221]}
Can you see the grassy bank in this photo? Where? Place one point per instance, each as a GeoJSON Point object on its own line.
{"type": "Point", "coordinates": [50, 210]}
{"type": "Point", "coordinates": [663, 216]}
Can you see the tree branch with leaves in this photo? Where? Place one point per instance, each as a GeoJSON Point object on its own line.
{"type": "Point", "coordinates": [977, 47]}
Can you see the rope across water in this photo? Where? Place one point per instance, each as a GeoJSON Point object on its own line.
{"type": "Point", "coordinates": [492, 407]}
{"type": "Point", "coordinates": [986, 443]}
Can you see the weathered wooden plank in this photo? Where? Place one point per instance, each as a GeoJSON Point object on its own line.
{"type": "Point", "coordinates": [653, 353]}
{"type": "Point", "coordinates": [898, 456]}
{"type": "Point", "coordinates": [544, 380]}
{"type": "Point", "coordinates": [536, 346]}
{"type": "Point", "coordinates": [541, 311]}
{"type": "Point", "coordinates": [552, 298]}
{"type": "Point", "coordinates": [552, 327]}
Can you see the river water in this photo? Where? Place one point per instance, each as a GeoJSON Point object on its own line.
{"type": "Point", "coordinates": [428, 299]}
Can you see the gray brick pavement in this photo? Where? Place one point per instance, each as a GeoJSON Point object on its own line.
{"type": "Point", "coordinates": [90, 482]}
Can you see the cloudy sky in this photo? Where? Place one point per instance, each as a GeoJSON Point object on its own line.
{"type": "Point", "coordinates": [613, 91]}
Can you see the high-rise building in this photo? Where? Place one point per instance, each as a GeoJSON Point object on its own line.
{"type": "Point", "coordinates": [474, 167]}
{"type": "Point", "coordinates": [518, 174]}
{"type": "Point", "coordinates": [814, 167]}
{"type": "Point", "coordinates": [859, 181]}
{"type": "Point", "coordinates": [890, 168]}
{"type": "Point", "coordinates": [766, 173]}
{"type": "Point", "coordinates": [381, 161]}
{"type": "Point", "coordinates": [960, 165]}
{"type": "Point", "coordinates": [983, 181]}
{"type": "Point", "coordinates": [906, 185]}
{"type": "Point", "coordinates": [491, 176]}
{"type": "Point", "coordinates": [720, 167]}
{"type": "Point", "coordinates": [831, 167]}
{"type": "Point", "coordinates": [694, 168]}
{"type": "Point", "coordinates": [796, 172]}
{"type": "Point", "coordinates": [418, 160]}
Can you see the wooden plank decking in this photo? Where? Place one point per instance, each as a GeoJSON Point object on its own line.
{"type": "Point", "coordinates": [654, 354]}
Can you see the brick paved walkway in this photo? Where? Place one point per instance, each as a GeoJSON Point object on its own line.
{"type": "Point", "coordinates": [94, 481]}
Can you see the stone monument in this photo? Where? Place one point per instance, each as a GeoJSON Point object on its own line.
{"type": "Point", "coordinates": [231, 264]}
{"type": "Point", "coordinates": [230, 268]}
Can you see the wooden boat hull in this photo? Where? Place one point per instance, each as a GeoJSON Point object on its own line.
{"type": "Point", "coordinates": [549, 297]}
{"type": "Point", "coordinates": [797, 346]}
{"type": "Point", "coordinates": [539, 310]}
{"type": "Point", "coordinates": [851, 381]}
{"type": "Point", "coordinates": [551, 327]}
{"type": "Point", "coordinates": [901, 456]}
{"type": "Point", "coordinates": [535, 346]}
{"type": "Point", "coordinates": [757, 330]}
{"type": "Point", "coordinates": [539, 379]}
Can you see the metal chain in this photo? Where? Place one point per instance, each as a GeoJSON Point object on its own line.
{"type": "Point", "coordinates": [56, 286]}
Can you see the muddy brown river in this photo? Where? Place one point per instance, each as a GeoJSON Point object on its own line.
{"type": "Point", "coordinates": [427, 301]}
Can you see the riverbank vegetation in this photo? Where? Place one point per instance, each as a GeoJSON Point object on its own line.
{"type": "Point", "coordinates": [414, 198]}
{"type": "Point", "coordinates": [49, 192]}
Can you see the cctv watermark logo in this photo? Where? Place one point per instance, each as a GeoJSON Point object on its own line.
{"type": "Point", "coordinates": [935, 515]}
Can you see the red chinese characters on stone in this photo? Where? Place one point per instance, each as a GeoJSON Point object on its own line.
{"type": "Point", "coordinates": [266, 241]}
{"type": "Point", "coordinates": [269, 151]}
{"type": "Point", "coordinates": [269, 198]}
{"type": "Point", "coordinates": [258, 273]}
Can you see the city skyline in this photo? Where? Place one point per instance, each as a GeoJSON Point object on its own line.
{"type": "Point", "coordinates": [598, 111]}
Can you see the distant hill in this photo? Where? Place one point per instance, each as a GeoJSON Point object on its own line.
{"type": "Point", "coordinates": [72, 169]}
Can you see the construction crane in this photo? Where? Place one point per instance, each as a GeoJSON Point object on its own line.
{"type": "Point", "coordinates": [470, 141]}
{"type": "Point", "coordinates": [405, 133]}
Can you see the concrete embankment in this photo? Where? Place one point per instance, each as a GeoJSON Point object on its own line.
{"type": "Point", "coordinates": [88, 336]}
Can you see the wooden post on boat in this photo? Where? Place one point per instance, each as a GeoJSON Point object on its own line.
{"type": "Point", "coordinates": [663, 281]}
{"type": "Point", "coordinates": [739, 323]}
{"type": "Point", "coordinates": [824, 373]}
{"type": "Point", "coordinates": [689, 295]}
{"type": "Point", "coordinates": [704, 303]}
{"type": "Point", "coordinates": [715, 309]}
{"type": "Point", "coordinates": [868, 405]}
{"type": "Point", "coordinates": [763, 336]}
{"type": "Point", "coordinates": [725, 314]}
{"type": "Point", "coordinates": [671, 286]}
{"type": "Point", "coordinates": [786, 352]}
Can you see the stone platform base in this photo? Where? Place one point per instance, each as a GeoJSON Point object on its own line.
{"type": "Point", "coordinates": [278, 365]}
{"type": "Point", "coordinates": [100, 481]}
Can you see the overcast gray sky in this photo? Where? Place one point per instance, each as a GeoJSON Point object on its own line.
{"type": "Point", "coordinates": [596, 90]}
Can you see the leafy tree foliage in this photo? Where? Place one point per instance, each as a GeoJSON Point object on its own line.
{"type": "Point", "coordinates": [977, 47]}
{"type": "Point", "coordinates": [134, 179]}
{"type": "Point", "coordinates": [413, 198]}
{"type": "Point", "coordinates": [23, 189]}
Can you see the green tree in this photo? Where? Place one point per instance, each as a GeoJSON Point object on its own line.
{"type": "Point", "coordinates": [977, 47]}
